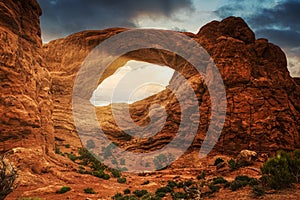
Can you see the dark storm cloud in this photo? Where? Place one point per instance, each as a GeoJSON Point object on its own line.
{"type": "Point", "coordinates": [62, 17]}
{"type": "Point", "coordinates": [284, 15]}
{"type": "Point", "coordinates": [283, 38]}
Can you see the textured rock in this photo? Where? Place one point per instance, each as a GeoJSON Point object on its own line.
{"type": "Point", "coordinates": [64, 58]}
{"type": "Point", "coordinates": [26, 126]}
{"type": "Point", "coordinates": [26, 105]}
{"type": "Point", "coordinates": [263, 101]}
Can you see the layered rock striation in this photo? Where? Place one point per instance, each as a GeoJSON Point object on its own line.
{"type": "Point", "coordinates": [26, 101]}
{"type": "Point", "coordinates": [263, 101]}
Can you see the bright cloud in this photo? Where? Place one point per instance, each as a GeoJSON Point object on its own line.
{"type": "Point", "coordinates": [132, 82]}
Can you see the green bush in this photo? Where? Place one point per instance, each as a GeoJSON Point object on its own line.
{"type": "Point", "coordinates": [219, 180]}
{"type": "Point", "coordinates": [101, 174]}
{"type": "Point", "coordinates": [121, 180]}
{"type": "Point", "coordinates": [127, 191]}
{"type": "Point", "coordinates": [214, 188]}
{"type": "Point", "coordinates": [160, 194]}
{"type": "Point", "coordinates": [117, 196]}
{"type": "Point", "coordinates": [57, 149]}
{"type": "Point", "coordinates": [162, 160]}
{"type": "Point", "coordinates": [116, 173]}
{"type": "Point", "coordinates": [258, 191]}
{"type": "Point", "coordinates": [179, 195]}
{"type": "Point", "coordinates": [172, 184]}
{"type": "Point", "coordinates": [122, 161]}
{"type": "Point", "coordinates": [188, 183]}
{"type": "Point", "coordinates": [237, 184]}
{"type": "Point", "coordinates": [72, 157]}
{"type": "Point", "coordinates": [253, 182]}
{"type": "Point", "coordinates": [201, 176]}
{"type": "Point", "coordinates": [282, 170]}
{"type": "Point", "coordinates": [243, 178]}
{"type": "Point", "coordinates": [166, 189]}
{"type": "Point", "coordinates": [180, 185]}
{"type": "Point", "coordinates": [63, 190]}
{"type": "Point", "coordinates": [218, 161]}
{"type": "Point", "coordinates": [150, 196]}
{"type": "Point", "coordinates": [90, 144]}
{"type": "Point", "coordinates": [140, 193]}
{"type": "Point", "coordinates": [106, 177]}
{"type": "Point", "coordinates": [89, 191]}
{"type": "Point", "coordinates": [146, 182]}
{"type": "Point", "coordinates": [233, 164]}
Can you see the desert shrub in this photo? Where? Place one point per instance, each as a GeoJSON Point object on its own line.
{"type": "Point", "coordinates": [217, 161]}
{"type": "Point", "coordinates": [8, 176]}
{"type": "Point", "coordinates": [150, 196]}
{"type": "Point", "coordinates": [227, 185]}
{"type": "Point", "coordinates": [127, 191]}
{"type": "Point", "coordinates": [172, 184]}
{"type": "Point", "coordinates": [237, 184]}
{"type": "Point", "coordinates": [89, 191]}
{"type": "Point", "coordinates": [161, 160]}
{"type": "Point", "coordinates": [201, 176]}
{"type": "Point", "coordinates": [146, 182]}
{"type": "Point", "coordinates": [233, 164]}
{"type": "Point", "coordinates": [117, 196]}
{"type": "Point", "coordinates": [122, 161]}
{"type": "Point", "coordinates": [188, 183]}
{"type": "Point", "coordinates": [57, 149]}
{"type": "Point", "coordinates": [106, 176]}
{"type": "Point", "coordinates": [114, 162]}
{"type": "Point", "coordinates": [140, 193]}
{"type": "Point", "coordinates": [258, 191]}
{"type": "Point", "coordinates": [179, 195]}
{"type": "Point", "coordinates": [214, 188]}
{"type": "Point", "coordinates": [115, 173]}
{"type": "Point", "coordinates": [165, 189]}
{"type": "Point", "coordinates": [219, 180]}
{"type": "Point", "coordinates": [72, 157]}
{"type": "Point", "coordinates": [253, 182]}
{"type": "Point", "coordinates": [63, 190]}
{"type": "Point", "coordinates": [67, 146]}
{"type": "Point", "coordinates": [90, 144]}
{"type": "Point", "coordinates": [161, 192]}
{"type": "Point", "coordinates": [282, 170]}
{"type": "Point", "coordinates": [101, 174]}
{"type": "Point", "coordinates": [121, 180]}
{"type": "Point", "coordinates": [180, 185]}
{"type": "Point", "coordinates": [127, 197]}
{"type": "Point", "coordinates": [243, 178]}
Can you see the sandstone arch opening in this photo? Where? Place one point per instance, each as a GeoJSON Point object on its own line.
{"type": "Point", "coordinates": [134, 81]}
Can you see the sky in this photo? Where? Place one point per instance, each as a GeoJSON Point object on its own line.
{"type": "Point", "coordinates": [276, 20]}
{"type": "Point", "coordinates": [126, 86]}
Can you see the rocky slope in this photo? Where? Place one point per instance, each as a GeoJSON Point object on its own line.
{"type": "Point", "coordinates": [263, 101]}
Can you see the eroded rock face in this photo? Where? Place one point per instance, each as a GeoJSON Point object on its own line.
{"type": "Point", "coordinates": [263, 101]}
{"type": "Point", "coordinates": [64, 58]}
{"type": "Point", "coordinates": [26, 105]}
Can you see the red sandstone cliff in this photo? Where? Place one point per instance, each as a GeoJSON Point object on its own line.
{"type": "Point", "coordinates": [263, 100]}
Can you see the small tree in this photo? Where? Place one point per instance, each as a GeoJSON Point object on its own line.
{"type": "Point", "coordinates": [8, 176]}
{"type": "Point", "coordinates": [282, 170]}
